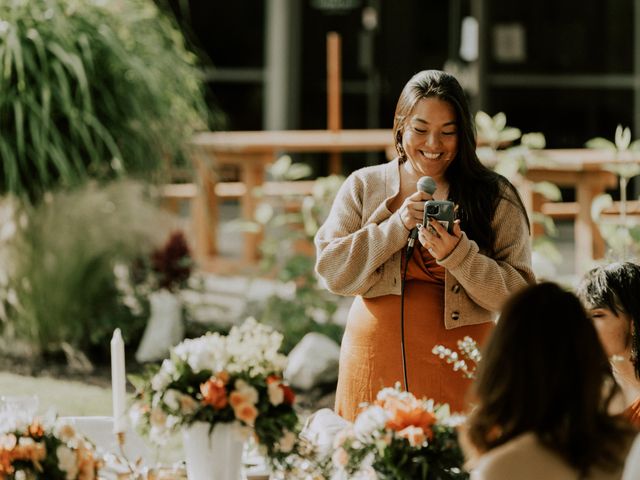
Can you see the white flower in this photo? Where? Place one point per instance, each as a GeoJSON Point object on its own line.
{"type": "Point", "coordinates": [172, 421]}
{"type": "Point", "coordinates": [188, 405]}
{"type": "Point", "coordinates": [369, 422]}
{"type": "Point", "coordinates": [157, 418]}
{"type": "Point", "coordinates": [342, 436]}
{"type": "Point", "coordinates": [340, 458]}
{"type": "Point", "coordinates": [64, 432]}
{"type": "Point", "coordinates": [171, 399]}
{"type": "Point", "coordinates": [136, 413]}
{"type": "Point", "coordinates": [67, 461]}
{"type": "Point", "coordinates": [207, 352]}
{"type": "Point", "coordinates": [254, 349]}
{"type": "Point", "coordinates": [160, 380]}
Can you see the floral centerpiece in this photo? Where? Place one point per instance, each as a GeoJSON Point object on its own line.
{"type": "Point", "coordinates": [400, 437]}
{"type": "Point", "coordinates": [52, 452]}
{"type": "Point", "coordinates": [234, 379]}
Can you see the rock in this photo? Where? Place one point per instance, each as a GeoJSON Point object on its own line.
{"type": "Point", "coordinates": [313, 361]}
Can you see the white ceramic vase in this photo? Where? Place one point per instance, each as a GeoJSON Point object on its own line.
{"type": "Point", "coordinates": [164, 328]}
{"type": "Point", "coordinates": [213, 454]}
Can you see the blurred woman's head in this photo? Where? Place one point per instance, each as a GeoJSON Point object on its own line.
{"type": "Point", "coordinates": [544, 371]}
{"type": "Point", "coordinates": [611, 295]}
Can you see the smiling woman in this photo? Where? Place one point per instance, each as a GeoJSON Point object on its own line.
{"type": "Point", "coordinates": [431, 141]}
{"type": "Point", "coordinates": [610, 294]}
{"type": "Point", "coordinates": [406, 303]}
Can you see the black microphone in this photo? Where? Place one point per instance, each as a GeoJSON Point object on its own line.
{"type": "Point", "coordinates": [427, 185]}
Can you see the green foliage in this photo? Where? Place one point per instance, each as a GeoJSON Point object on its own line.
{"type": "Point", "coordinates": [442, 461]}
{"type": "Point", "coordinates": [91, 88]}
{"type": "Point", "coordinates": [512, 160]}
{"type": "Point", "coordinates": [58, 266]}
{"type": "Point", "coordinates": [287, 253]}
{"type": "Point", "coordinates": [621, 233]}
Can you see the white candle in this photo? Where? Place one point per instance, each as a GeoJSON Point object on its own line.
{"type": "Point", "coordinates": [118, 382]}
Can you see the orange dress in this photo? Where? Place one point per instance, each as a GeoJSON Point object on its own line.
{"type": "Point", "coordinates": [371, 355]}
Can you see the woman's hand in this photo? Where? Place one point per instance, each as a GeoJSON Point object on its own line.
{"type": "Point", "coordinates": [437, 240]}
{"type": "Point", "coordinates": [412, 209]}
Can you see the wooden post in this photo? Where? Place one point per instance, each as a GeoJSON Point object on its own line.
{"type": "Point", "coordinates": [334, 107]}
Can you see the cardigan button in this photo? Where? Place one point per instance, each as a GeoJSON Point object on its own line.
{"type": "Point", "coordinates": [455, 315]}
{"type": "Point", "coordinates": [456, 288]}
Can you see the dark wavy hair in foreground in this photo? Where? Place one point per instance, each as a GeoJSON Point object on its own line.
{"type": "Point", "coordinates": [544, 371]}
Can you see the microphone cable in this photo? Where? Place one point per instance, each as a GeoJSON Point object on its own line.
{"type": "Point", "coordinates": [428, 185]}
{"type": "Point", "coordinates": [408, 256]}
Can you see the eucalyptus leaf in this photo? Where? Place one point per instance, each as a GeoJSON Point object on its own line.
{"type": "Point", "coordinates": [264, 212]}
{"type": "Point", "coordinates": [548, 190]}
{"type": "Point", "coordinates": [484, 121]}
{"type": "Point", "coordinates": [298, 171]}
{"type": "Point", "coordinates": [507, 167]}
{"type": "Point", "coordinates": [535, 140]}
{"type": "Point", "coordinates": [599, 204]}
{"type": "Point", "coordinates": [509, 134]}
{"type": "Point", "coordinates": [499, 121]}
{"type": "Point", "coordinates": [600, 143]}
{"type": "Point", "coordinates": [546, 221]}
{"type": "Point", "coordinates": [548, 249]}
{"type": "Point", "coordinates": [278, 169]}
{"type": "Point", "coordinates": [622, 137]}
{"type": "Point", "coordinates": [625, 170]}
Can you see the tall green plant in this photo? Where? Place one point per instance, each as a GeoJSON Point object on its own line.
{"type": "Point", "coordinates": [288, 254]}
{"type": "Point", "coordinates": [512, 160]}
{"type": "Point", "coordinates": [58, 263]}
{"type": "Point", "coordinates": [623, 233]}
{"type": "Point", "coordinates": [91, 88]}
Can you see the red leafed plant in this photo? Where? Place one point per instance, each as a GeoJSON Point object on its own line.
{"type": "Point", "coordinates": [172, 263]}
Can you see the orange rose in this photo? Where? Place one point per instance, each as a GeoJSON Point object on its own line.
{"type": "Point", "coordinates": [5, 463]}
{"type": "Point", "coordinates": [35, 429]}
{"type": "Point", "coordinates": [246, 412]}
{"type": "Point", "coordinates": [224, 376]}
{"type": "Point", "coordinates": [415, 435]}
{"type": "Point", "coordinates": [409, 413]}
{"type": "Point", "coordinates": [273, 378]}
{"type": "Point", "coordinates": [214, 393]}
{"type": "Point", "coordinates": [237, 398]}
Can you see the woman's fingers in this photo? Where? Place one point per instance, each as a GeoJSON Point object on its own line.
{"type": "Point", "coordinates": [435, 238]}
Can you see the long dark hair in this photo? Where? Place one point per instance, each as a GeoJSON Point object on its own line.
{"type": "Point", "coordinates": [616, 287]}
{"type": "Point", "coordinates": [473, 187]}
{"type": "Point", "coordinates": [544, 371]}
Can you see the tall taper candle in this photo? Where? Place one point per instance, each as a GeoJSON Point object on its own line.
{"type": "Point", "coordinates": [118, 382]}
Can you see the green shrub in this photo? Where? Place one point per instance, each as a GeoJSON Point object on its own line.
{"type": "Point", "coordinates": [91, 88]}
{"type": "Point", "coordinates": [287, 254]}
{"type": "Point", "coordinates": [58, 259]}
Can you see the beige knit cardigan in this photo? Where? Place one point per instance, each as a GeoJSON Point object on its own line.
{"type": "Point", "coordinates": [359, 250]}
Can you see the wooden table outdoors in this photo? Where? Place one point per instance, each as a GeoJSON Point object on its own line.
{"type": "Point", "coordinates": [581, 169]}
{"type": "Point", "coordinates": [252, 152]}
